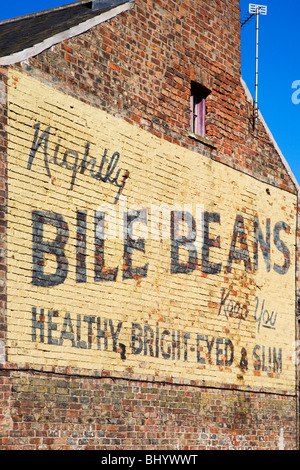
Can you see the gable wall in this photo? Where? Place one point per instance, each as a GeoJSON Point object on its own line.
{"type": "Point", "coordinates": [124, 86]}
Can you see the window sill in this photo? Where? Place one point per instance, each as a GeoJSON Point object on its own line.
{"type": "Point", "coordinates": [203, 140]}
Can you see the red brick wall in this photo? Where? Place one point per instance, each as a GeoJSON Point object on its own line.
{"type": "Point", "coordinates": [63, 412]}
{"type": "Point", "coordinates": [139, 66]}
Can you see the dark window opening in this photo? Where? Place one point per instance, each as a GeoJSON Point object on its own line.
{"type": "Point", "coordinates": [198, 108]}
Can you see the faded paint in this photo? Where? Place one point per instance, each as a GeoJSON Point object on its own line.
{"type": "Point", "coordinates": [97, 280]}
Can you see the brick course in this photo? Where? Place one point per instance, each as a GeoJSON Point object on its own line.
{"type": "Point", "coordinates": [62, 412]}
{"type": "Point", "coordinates": [138, 67]}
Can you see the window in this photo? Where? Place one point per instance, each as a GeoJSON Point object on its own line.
{"type": "Point", "coordinates": [198, 108]}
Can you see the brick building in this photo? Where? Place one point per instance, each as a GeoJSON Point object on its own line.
{"type": "Point", "coordinates": [148, 235]}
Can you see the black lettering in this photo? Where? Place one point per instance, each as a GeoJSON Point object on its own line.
{"type": "Point", "coordinates": [74, 167]}
{"type": "Point", "coordinates": [219, 352]}
{"type": "Point", "coordinates": [199, 349]}
{"type": "Point", "coordinates": [102, 334]}
{"type": "Point", "coordinates": [157, 342]}
{"type": "Point", "coordinates": [51, 327]}
{"type": "Point", "coordinates": [64, 162]}
{"type": "Point", "coordinates": [81, 247]}
{"type": "Point", "coordinates": [111, 174]}
{"type": "Point", "coordinates": [266, 367]}
{"type": "Point", "coordinates": [67, 325]}
{"type": "Point", "coordinates": [165, 355]}
{"type": "Point", "coordinates": [101, 272]}
{"type": "Point", "coordinates": [56, 248]}
{"type": "Point", "coordinates": [136, 338]}
{"type": "Point", "coordinates": [99, 175]}
{"type": "Point", "coordinates": [186, 336]}
{"type": "Point", "coordinates": [207, 266]}
{"type": "Point", "coordinates": [115, 333]}
{"type": "Point", "coordinates": [223, 302]}
{"type": "Point", "coordinates": [228, 347]}
{"type": "Point", "coordinates": [123, 350]}
{"type": "Point", "coordinates": [280, 245]}
{"type": "Point", "coordinates": [241, 253]}
{"type": "Point", "coordinates": [175, 345]}
{"type": "Point", "coordinates": [148, 341]}
{"type": "Point", "coordinates": [130, 244]}
{"type": "Point", "coordinates": [38, 325]}
{"type": "Point", "coordinates": [257, 361]}
{"type": "Point", "coordinates": [110, 168]}
{"type": "Point", "coordinates": [80, 344]}
{"type": "Point", "coordinates": [244, 360]}
{"type": "Point", "coordinates": [83, 164]}
{"type": "Point", "coordinates": [54, 158]}
{"type": "Point", "coordinates": [277, 360]}
{"type": "Point", "coordinates": [264, 244]}
{"type": "Point", "coordinates": [89, 320]}
{"type": "Point", "coordinates": [113, 162]}
{"type": "Point", "coordinates": [37, 142]}
{"type": "Point", "coordinates": [177, 217]}
{"type": "Point", "coordinates": [209, 348]}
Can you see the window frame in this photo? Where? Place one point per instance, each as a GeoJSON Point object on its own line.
{"type": "Point", "coordinates": [198, 109]}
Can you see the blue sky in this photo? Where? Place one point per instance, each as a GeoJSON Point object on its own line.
{"type": "Point", "coordinates": [279, 65]}
{"type": "Point", "coordinates": [279, 68]}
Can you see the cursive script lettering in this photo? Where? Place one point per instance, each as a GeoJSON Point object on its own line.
{"type": "Point", "coordinates": [264, 318]}
{"type": "Point", "coordinates": [71, 160]}
{"type": "Point", "coordinates": [232, 309]}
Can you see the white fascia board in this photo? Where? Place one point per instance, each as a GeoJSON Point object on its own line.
{"type": "Point", "coordinates": [60, 37]}
{"type": "Point", "coordinates": [285, 163]}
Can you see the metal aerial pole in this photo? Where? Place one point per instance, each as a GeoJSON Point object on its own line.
{"type": "Point", "coordinates": [256, 69]}
{"type": "Point", "coordinates": [257, 10]}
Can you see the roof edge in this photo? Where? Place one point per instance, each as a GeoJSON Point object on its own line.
{"type": "Point", "coordinates": [62, 36]}
{"type": "Point", "coordinates": [284, 161]}
{"type": "Point", "coordinates": [44, 12]}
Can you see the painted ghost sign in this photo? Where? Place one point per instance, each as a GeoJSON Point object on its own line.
{"type": "Point", "coordinates": [131, 255]}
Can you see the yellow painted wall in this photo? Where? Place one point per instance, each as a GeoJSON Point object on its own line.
{"type": "Point", "coordinates": [184, 320]}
